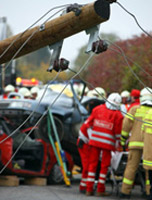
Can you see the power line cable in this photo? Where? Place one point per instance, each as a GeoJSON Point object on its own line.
{"type": "Point", "coordinates": [134, 19]}
{"type": "Point", "coordinates": [19, 36]}
{"type": "Point", "coordinates": [32, 113]}
{"type": "Point", "coordinates": [106, 100]}
{"type": "Point", "coordinates": [40, 99]}
{"type": "Point", "coordinates": [22, 46]}
{"type": "Point", "coordinates": [125, 58]}
{"type": "Point", "coordinates": [49, 107]}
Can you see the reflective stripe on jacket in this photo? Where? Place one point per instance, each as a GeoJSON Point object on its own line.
{"type": "Point", "coordinates": [147, 138]}
{"type": "Point", "coordinates": [131, 127]}
{"type": "Point", "coordinates": [105, 125]}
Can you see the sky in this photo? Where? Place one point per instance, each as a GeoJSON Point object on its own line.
{"type": "Point", "coordinates": [21, 14]}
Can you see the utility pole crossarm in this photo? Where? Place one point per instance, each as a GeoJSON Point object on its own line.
{"type": "Point", "coordinates": [56, 30]}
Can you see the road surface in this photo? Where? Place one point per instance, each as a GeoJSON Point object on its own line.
{"type": "Point", "coordinates": [57, 192]}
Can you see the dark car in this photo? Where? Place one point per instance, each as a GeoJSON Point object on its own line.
{"type": "Point", "coordinates": [36, 156]}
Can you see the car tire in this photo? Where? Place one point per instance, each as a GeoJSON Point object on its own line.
{"type": "Point", "coordinates": [55, 176]}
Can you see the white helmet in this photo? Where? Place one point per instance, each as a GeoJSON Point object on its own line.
{"type": "Point", "coordinates": [9, 88]}
{"type": "Point", "coordinates": [99, 92]}
{"type": "Point", "coordinates": [34, 89]}
{"type": "Point", "coordinates": [23, 91]}
{"type": "Point", "coordinates": [125, 93]}
{"type": "Point", "coordinates": [146, 96]}
{"type": "Point", "coordinates": [27, 94]}
{"type": "Point", "coordinates": [90, 93]}
{"type": "Point", "coordinates": [114, 99]}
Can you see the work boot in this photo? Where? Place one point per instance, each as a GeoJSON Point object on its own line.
{"type": "Point", "coordinates": [89, 193]}
{"type": "Point", "coordinates": [124, 196]}
{"type": "Point", "coordinates": [102, 194]}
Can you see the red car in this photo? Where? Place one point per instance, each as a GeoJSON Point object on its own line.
{"type": "Point", "coordinates": [34, 158]}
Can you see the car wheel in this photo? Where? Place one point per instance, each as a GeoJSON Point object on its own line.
{"type": "Point", "coordinates": [55, 176]}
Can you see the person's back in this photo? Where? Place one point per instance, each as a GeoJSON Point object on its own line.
{"type": "Point", "coordinates": [105, 123]}
{"type": "Point", "coordinates": [131, 130]}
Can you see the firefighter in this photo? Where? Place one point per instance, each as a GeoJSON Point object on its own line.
{"type": "Point", "coordinates": [125, 95]}
{"type": "Point", "coordinates": [132, 124]}
{"type": "Point", "coordinates": [135, 94]}
{"type": "Point", "coordinates": [147, 156]}
{"type": "Point", "coordinates": [9, 88]}
{"type": "Point", "coordinates": [105, 123]}
{"type": "Point", "coordinates": [25, 92]}
{"type": "Point", "coordinates": [34, 92]}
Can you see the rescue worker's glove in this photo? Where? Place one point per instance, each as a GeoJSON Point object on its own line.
{"type": "Point", "coordinates": [123, 143]}
{"type": "Point", "coordinates": [80, 143]}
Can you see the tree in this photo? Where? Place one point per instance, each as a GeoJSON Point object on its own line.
{"type": "Point", "coordinates": [111, 71]}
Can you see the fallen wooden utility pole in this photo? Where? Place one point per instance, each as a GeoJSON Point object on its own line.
{"type": "Point", "coordinates": [56, 30]}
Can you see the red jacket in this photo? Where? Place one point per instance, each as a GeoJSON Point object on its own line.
{"type": "Point", "coordinates": [106, 127]}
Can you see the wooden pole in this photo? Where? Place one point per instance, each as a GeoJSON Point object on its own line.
{"type": "Point", "coordinates": [56, 30]}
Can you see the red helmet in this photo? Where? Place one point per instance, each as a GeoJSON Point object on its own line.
{"type": "Point", "coordinates": [135, 93]}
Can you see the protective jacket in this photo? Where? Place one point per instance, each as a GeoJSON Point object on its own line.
{"type": "Point", "coordinates": [132, 123]}
{"type": "Point", "coordinates": [137, 102]}
{"type": "Point", "coordinates": [105, 127]}
{"type": "Point", "coordinates": [147, 137]}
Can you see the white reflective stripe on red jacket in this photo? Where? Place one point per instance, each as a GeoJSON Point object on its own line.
{"type": "Point", "coordinates": [95, 137]}
{"type": "Point", "coordinates": [103, 134]}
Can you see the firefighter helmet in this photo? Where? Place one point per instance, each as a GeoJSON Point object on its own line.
{"type": "Point", "coordinates": [97, 92]}
{"type": "Point", "coordinates": [146, 95]}
{"type": "Point", "coordinates": [125, 93]}
{"type": "Point", "coordinates": [114, 99]}
{"type": "Point", "coordinates": [24, 91]}
{"type": "Point", "coordinates": [9, 88]}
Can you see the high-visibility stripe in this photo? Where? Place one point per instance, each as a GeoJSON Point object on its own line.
{"type": "Point", "coordinates": [104, 134]}
{"type": "Point", "coordinates": [84, 179]}
{"type": "Point", "coordinates": [102, 175]}
{"type": "Point", "coordinates": [122, 143]}
{"type": "Point", "coordinates": [91, 174]}
{"type": "Point", "coordinates": [83, 184]}
{"type": "Point", "coordinates": [127, 181]}
{"type": "Point", "coordinates": [139, 144]}
{"type": "Point", "coordinates": [90, 179]}
{"type": "Point", "coordinates": [147, 162]}
{"type": "Point", "coordinates": [118, 135]}
{"type": "Point", "coordinates": [123, 139]}
{"type": "Point", "coordinates": [124, 133]}
{"type": "Point", "coordinates": [102, 140]}
{"type": "Point", "coordinates": [129, 116]}
{"type": "Point", "coordinates": [146, 124]}
{"type": "Point", "coordinates": [148, 130]}
{"type": "Point", "coordinates": [101, 181]}
{"type": "Point", "coordinates": [147, 182]}
{"type": "Point", "coordinates": [83, 137]}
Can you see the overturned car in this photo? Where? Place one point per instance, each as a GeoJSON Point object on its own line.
{"type": "Point", "coordinates": [24, 130]}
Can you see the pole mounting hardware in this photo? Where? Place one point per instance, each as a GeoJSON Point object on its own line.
{"type": "Point", "coordinates": [56, 63]}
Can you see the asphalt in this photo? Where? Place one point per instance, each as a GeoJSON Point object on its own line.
{"type": "Point", "coordinates": [59, 192]}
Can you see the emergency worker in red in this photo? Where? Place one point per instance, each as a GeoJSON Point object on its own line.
{"type": "Point", "coordinates": [135, 94]}
{"type": "Point", "coordinates": [105, 122]}
{"type": "Point", "coordinates": [84, 151]}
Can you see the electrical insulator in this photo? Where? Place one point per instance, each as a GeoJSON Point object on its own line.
{"type": "Point", "coordinates": [99, 46]}
{"type": "Point", "coordinates": [60, 64]}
